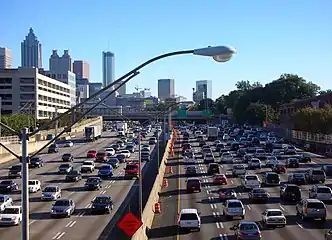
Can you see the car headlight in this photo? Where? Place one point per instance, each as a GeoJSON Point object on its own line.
{"type": "Point", "coordinates": [52, 211]}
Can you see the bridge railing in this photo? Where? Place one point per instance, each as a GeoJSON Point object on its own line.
{"type": "Point", "coordinates": [312, 137]}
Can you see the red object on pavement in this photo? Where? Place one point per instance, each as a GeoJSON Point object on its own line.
{"type": "Point", "coordinates": [130, 224]}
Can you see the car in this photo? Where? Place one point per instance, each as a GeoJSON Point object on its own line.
{"type": "Point", "coordinates": [34, 186]}
{"type": "Point", "coordinates": [15, 171]}
{"type": "Point", "coordinates": [273, 218]}
{"type": "Point", "coordinates": [93, 183]}
{"type": "Point", "coordinates": [191, 171]}
{"type": "Point", "coordinates": [114, 162]}
{"type": "Point", "coordinates": [91, 154]}
{"type": "Point", "coordinates": [110, 151]}
{"type": "Point", "coordinates": [131, 170]}
{"type": "Point", "coordinates": [11, 216]}
{"type": "Point", "coordinates": [315, 176]}
{"type": "Point", "coordinates": [65, 168]}
{"type": "Point", "coordinates": [258, 194]}
{"type": "Point", "coordinates": [130, 148]}
{"type": "Point", "coordinates": [53, 148]}
{"type": "Point", "coordinates": [246, 158]}
{"type": "Point", "coordinates": [193, 184]}
{"type": "Point", "coordinates": [36, 162]}
{"type": "Point", "coordinates": [124, 139]}
{"type": "Point", "coordinates": [105, 170]}
{"type": "Point", "coordinates": [320, 192]}
{"type": "Point", "coordinates": [279, 168]}
{"type": "Point", "coordinates": [121, 157]}
{"type": "Point", "coordinates": [254, 163]}
{"type": "Point", "coordinates": [277, 153]}
{"type": "Point", "coordinates": [102, 204]}
{"type": "Point", "coordinates": [115, 146]}
{"type": "Point", "coordinates": [5, 201]}
{"type": "Point", "coordinates": [260, 153]}
{"type": "Point", "coordinates": [304, 158]}
{"type": "Point", "coordinates": [297, 178]}
{"type": "Point", "coordinates": [213, 168]}
{"type": "Point", "coordinates": [88, 166]}
{"type": "Point", "coordinates": [209, 158]}
{"type": "Point", "coordinates": [219, 146]}
{"type": "Point", "coordinates": [290, 150]}
{"type": "Point", "coordinates": [227, 157]}
{"type": "Point", "coordinates": [146, 146]}
{"type": "Point", "coordinates": [290, 192]}
{"type": "Point", "coordinates": [220, 179]}
{"type": "Point", "coordinates": [311, 209]}
{"type": "Point", "coordinates": [189, 219]}
{"type": "Point", "coordinates": [51, 193]}
{"type": "Point", "coordinates": [271, 161]}
{"type": "Point", "coordinates": [68, 144]}
{"type": "Point", "coordinates": [270, 179]}
{"type": "Point", "coordinates": [74, 176]}
{"type": "Point", "coordinates": [152, 140]}
{"type": "Point", "coordinates": [8, 186]}
{"type": "Point", "coordinates": [292, 163]}
{"type": "Point", "coordinates": [101, 157]}
{"type": "Point", "coordinates": [120, 143]}
{"type": "Point", "coordinates": [67, 157]}
{"type": "Point", "coordinates": [238, 169]}
{"type": "Point", "coordinates": [63, 208]}
{"type": "Point", "coordinates": [227, 194]}
{"type": "Point", "coordinates": [327, 169]}
{"type": "Point", "coordinates": [145, 149]}
{"type": "Point", "coordinates": [250, 181]}
{"type": "Point", "coordinates": [233, 208]}
{"type": "Point", "coordinates": [247, 231]}
{"type": "Point", "coordinates": [145, 156]}
{"type": "Point", "coordinates": [125, 152]}
{"type": "Point", "coordinates": [189, 160]}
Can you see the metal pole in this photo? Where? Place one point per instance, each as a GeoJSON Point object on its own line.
{"type": "Point", "coordinates": [140, 190]}
{"type": "Point", "coordinates": [0, 121]}
{"type": "Point", "coordinates": [56, 122]}
{"type": "Point", "coordinates": [158, 153]}
{"type": "Point", "coordinates": [169, 120]}
{"type": "Point", "coordinates": [165, 134]}
{"type": "Point", "coordinates": [25, 192]}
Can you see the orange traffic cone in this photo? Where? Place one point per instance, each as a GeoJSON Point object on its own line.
{"type": "Point", "coordinates": [157, 208]}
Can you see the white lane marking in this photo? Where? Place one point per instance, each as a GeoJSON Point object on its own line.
{"type": "Point", "coordinates": [212, 206]}
{"type": "Point", "coordinates": [299, 225]}
{"type": "Point", "coordinates": [217, 223]}
{"type": "Point", "coordinates": [72, 224]}
{"type": "Point", "coordinates": [221, 225]}
{"type": "Point", "coordinates": [222, 166]}
{"type": "Point", "coordinates": [69, 223]}
{"type": "Point", "coordinates": [210, 198]}
{"type": "Point", "coordinates": [214, 214]}
{"type": "Point", "coordinates": [282, 208]}
{"type": "Point", "coordinates": [61, 235]}
{"type": "Point", "coordinates": [71, 193]}
{"type": "Point", "coordinates": [215, 206]}
{"type": "Point", "coordinates": [208, 186]}
{"type": "Point", "coordinates": [88, 206]}
{"type": "Point", "coordinates": [81, 214]}
{"type": "Point", "coordinates": [223, 236]}
{"type": "Point", "coordinates": [103, 192]}
{"type": "Point", "coordinates": [232, 182]}
{"type": "Point", "coordinates": [207, 191]}
{"type": "Point", "coordinates": [313, 162]}
{"type": "Point", "coordinates": [218, 214]}
{"type": "Point", "coordinates": [240, 194]}
{"type": "Point", "coordinates": [249, 207]}
{"type": "Point", "coordinates": [56, 235]}
{"type": "Point", "coordinates": [32, 222]}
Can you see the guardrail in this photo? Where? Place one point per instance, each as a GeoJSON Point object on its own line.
{"type": "Point", "coordinates": [312, 137]}
{"type": "Point", "coordinates": [148, 213]}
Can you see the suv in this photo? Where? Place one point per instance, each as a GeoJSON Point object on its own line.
{"type": "Point", "coordinates": [239, 169]}
{"type": "Point", "coordinates": [193, 184]}
{"type": "Point", "coordinates": [15, 171]}
{"type": "Point", "coordinates": [88, 166]}
{"type": "Point", "coordinates": [254, 163]}
{"type": "Point", "coordinates": [213, 168]}
{"type": "Point", "coordinates": [258, 194]}
{"type": "Point", "coordinates": [292, 163]}
{"type": "Point", "coordinates": [311, 208]}
{"type": "Point", "coordinates": [320, 192]}
{"type": "Point", "coordinates": [290, 192]}
{"type": "Point", "coordinates": [189, 219]}
{"type": "Point", "coordinates": [233, 208]}
{"type": "Point", "coordinates": [271, 179]}
{"type": "Point", "coordinates": [297, 178]}
{"type": "Point", "coordinates": [250, 181]}
{"type": "Point", "coordinates": [132, 170]}
{"type": "Point", "coordinates": [315, 175]}
{"type": "Point", "coordinates": [191, 171]}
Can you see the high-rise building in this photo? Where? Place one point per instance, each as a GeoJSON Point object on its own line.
{"type": "Point", "coordinates": [5, 58]}
{"type": "Point", "coordinates": [108, 68]}
{"type": "Point", "coordinates": [81, 69]}
{"type": "Point", "coordinates": [61, 64]}
{"type": "Point", "coordinates": [122, 90]}
{"type": "Point", "coordinates": [82, 89]}
{"type": "Point", "coordinates": [165, 88]}
{"type": "Point", "coordinates": [31, 51]}
{"type": "Point", "coordinates": [203, 90]}
{"type": "Point", "coordinates": [94, 87]}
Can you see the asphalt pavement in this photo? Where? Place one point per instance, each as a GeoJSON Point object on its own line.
{"type": "Point", "coordinates": [214, 225]}
{"type": "Point", "coordinates": [81, 225]}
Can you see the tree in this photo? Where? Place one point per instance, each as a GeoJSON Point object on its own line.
{"type": "Point", "coordinates": [323, 92]}
{"type": "Point", "coordinates": [256, 113]}
{"type": "Point", "coordinates": [220, 105]}
{"type": "Point", "coordinates": [16, 122]}
{"type": "Point", "coordinates": [206, 104]}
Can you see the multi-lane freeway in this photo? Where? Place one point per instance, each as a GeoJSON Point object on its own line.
{"type": "Point", "coordinates": [82, 224]}
{"type": "Point", "coordinates": [213, 223]}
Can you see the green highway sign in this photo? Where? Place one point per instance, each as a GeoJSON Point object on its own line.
{"type": "Point", "coordinates": [207, 113]}
{"type": "Point", "coordinates": [182, 113]}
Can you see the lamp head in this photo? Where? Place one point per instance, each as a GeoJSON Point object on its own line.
{"type": "Point", "coordinates": [218, 53]}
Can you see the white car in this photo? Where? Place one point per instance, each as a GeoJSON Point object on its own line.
{"type": "Point", "coordinates": [277, 152]}
{"type": "Point", "coordinates": [51, 193]}
{"type": "Point", "coordinates": [271, 161]}
{"type": "Point", "coordinates": [225, 137]}
{"type": "Point", "coordinates": [125, 152]}
{"type": "Point", "coordinates": [250, 181]}
{"type": "Point", "coordinates": [130, 135]}
{"type": "Point", "coordinates": [260, 153]}
{"type": "Point", "coordinates": [88, 166]}
{"type": "Point", "coordinates": [11, 215]}
{"type": "Point", "coordinates": [68, 144]}
{"type": "Point", "coordinates": [227, 157]}
{"type": "Point", "coordinates": [189, 160]}
{"type": "Point", "coordinates": [254, 163]}
{"type": "Point", "coordinates": [290, 150]}
{"type": "Point", "coordinates": [233, 208]}
{"type": "Point", "coordinates": [273, 217]}
{"type": "Point", "coordinates": [189, 219]}
{"type": "Point", "coordinates": [238, 170]}
{"type": "Point", "coordinates": [197, 133]}
{"type": "Point", "coordinates": [5, 201]}
{"type": "Point", "coordinates": [110, 151]}
{"type": "Point", "coordinates": [34, 186]}
{"type": "Point", "coordinates": [320, 192]}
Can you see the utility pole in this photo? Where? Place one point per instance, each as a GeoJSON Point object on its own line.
{"type": "Point", "coordinates": [56, 122]}
{"type": "Point", "coordinates": [158, 153]}
{"type": "Point", "coordinates": [25, 188]}
{"type": "Point", "coordinates": [140, 190]}
{"type": "Point", "coordinates": [0, 121]}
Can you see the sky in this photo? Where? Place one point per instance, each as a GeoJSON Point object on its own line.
{"type": "Point", "coordinates": [271, 37]}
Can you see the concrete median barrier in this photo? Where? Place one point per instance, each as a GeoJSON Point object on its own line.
{"type": "Point", "coordinates": [148, 213]}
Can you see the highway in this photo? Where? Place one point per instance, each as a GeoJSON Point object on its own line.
{"type": "Point", "coordinates": [214, 226]}
{"type": "Point", "coordinates": [81, 225]}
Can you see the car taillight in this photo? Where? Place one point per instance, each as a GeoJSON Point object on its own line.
{"type": "Point", "coordinates": [305, 210]}
{"type": "Point", "coordinates": [259, 234]}
{"type": "Point", "coordinates": [226, 209]}
{"type": "Point", "coordinates": [241, 234]}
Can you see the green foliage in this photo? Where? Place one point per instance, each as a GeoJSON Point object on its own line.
{"type": "Point", "coordinates": [314, 120]}
{"type": "Point", "coordinates": [16, 122]}
{"type": "Point", "coordinates": [206, 104]}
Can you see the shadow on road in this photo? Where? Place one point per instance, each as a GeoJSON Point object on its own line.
{"type": "Point", "coordinates": [162, 232]}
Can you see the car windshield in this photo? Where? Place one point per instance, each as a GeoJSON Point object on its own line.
{"type": "Point", "coordinates": [16, 167]}
{"type": "Point", "coordinates": [11, 211]}
{"type": "Point", "coordinates": [50, 189]}
{"type": "Point", "coordinates": [101, 154]}
{"type": "Point", "coordinates": [67, 155]}
{"type": "Point", "coordinates": [239, 167]}
{"type": "Point", "coordinates": [61, 203]}
{"type": "Point", "coordinates": [2, 199]}
{"type": "Point", "coordinates": [87, 163]}
{"type": "Point", "coordinates": [35, 159]}
{"type": "Point", "coordinates": [102, 200]}
{"type": "Point", "coordinates": [248, 226]}
{"type": "Point", "coordinates": [234, 205]}
{"type": "Point", "coordinates": [274, 213]}
{"type": "Point", "coordinates": [272, 176]}
{"type": "Point", "coordinates": [323, 190]}
{"type": "Point", "coordinates": [131, 167]}
{"type": "Point", "coordinates": [92, 151]}
{"type": "Point", "coordinates": [292, 189]}
{"type": "Point", "coordinates": [193, 182]}
{"type": "Point", "coordinates": [188, 216]}
{"type": "Point", "coordinates": [318, 172]}
{"type": "Point", "coordinates": [251, 178]}
{"type": "Point", "coordinates": [93, 180]}
{"type": "Point", "coordinates": [317, 205]}
{"type": "Point", "coordinates": [64, 166]}
{"type": "Point", "coordinates": [74, 172]}
{"type": "Point", "coordinates": [298, 176]}
{"type": "Point", "coordinates": [105, 167]}
{"type": "Point", "coordinates": [32, 182]}
{"type": "Point", "coordinates": [259, 190]}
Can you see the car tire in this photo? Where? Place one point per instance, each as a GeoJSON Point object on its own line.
{"type": "Point", "coordinates": [323, 219]}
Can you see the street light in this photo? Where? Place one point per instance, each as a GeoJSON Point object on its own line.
{"type": "Point", "coordinates": [218, 53]}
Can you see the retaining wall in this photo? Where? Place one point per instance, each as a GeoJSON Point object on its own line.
{"type": "Point", "coordinates": [148, 213]}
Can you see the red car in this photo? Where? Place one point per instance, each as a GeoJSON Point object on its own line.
{"type": "Point", "coordinates": [91, 154]}
{"type": "Point", "coordinates": [101, 157]}
{"type": "Point", "coordinates": [219, 179]}
{"type": "Point", "coordinates": [279, 168]}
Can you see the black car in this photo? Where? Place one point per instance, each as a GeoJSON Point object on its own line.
{"type": "Point", "coordinates": [292, 163]}
{"type": "Point", "coordinates": [67, 157]}
{"type": "Point", "coordinates": [93, 183]}
{"type": "Point", "coordinates": [145, 156]}
{"type": "Point", "coordinates": [36, 162]}
{"type": "Point", "coordinates": [304, 158]}
{"type": "Point", "coordinates": [327, 169]}
{"type": "Point", "coordinates": [213, 168]}
{"type": "Point", "coordinates": [258, 194]}
{"type": "Point", "coordinates": [114, 162]}
{"type": "Point", "coordinates": [130, 148]}
{"type": "Point", "coordinates": [121, 157]}
{"type": "Point", "coordinates": [219, 146]}
{"type": "Point", "coordinates": [102, 204]}
{"type": "Point", "coordinates": [7, 186]}
{"type": "Point", "coordinates": [53, 148]}
{"type": "Point", "coordinates": [115, 146]}
{"type": "Point", "coordinates": [290, 192]}
{"type": "Point", "coordinates": [74, 176]}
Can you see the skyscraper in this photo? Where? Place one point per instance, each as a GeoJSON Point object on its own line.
{"type": "Point", "coordinates": [61, 64]}
{"type": "Point", "coordinates": [81, 69]}
{"type": "Point", "coordinates": [203, 90]}
{"type": "Point", "coordinates": [31, 55]}
{"type": "Point", "coordinates": [108, 68]}
{"type": "Point", "coordinates": [122, 90]}
{"type": "Point", "coordinates": [5, 58]}
{"type": "Point", "coordinates": [165, 88]}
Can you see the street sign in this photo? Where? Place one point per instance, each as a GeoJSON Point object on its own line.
{"type": "Point", "coordinates": [130, 224]}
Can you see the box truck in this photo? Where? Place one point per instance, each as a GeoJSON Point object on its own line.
{"type": "Point", "coordinates": [92, 133]}
{"type": "Point", "coordinates": [122, 128]}
{"type": "Point", "coordinates": [212, 133]}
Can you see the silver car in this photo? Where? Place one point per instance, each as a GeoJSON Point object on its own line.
{"type": "Point", "coordinates": [51, 193]}
{"type": "Point", "coordinates": [63, 208]}
{"type": "Point", "coordinates": [311, 209]}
